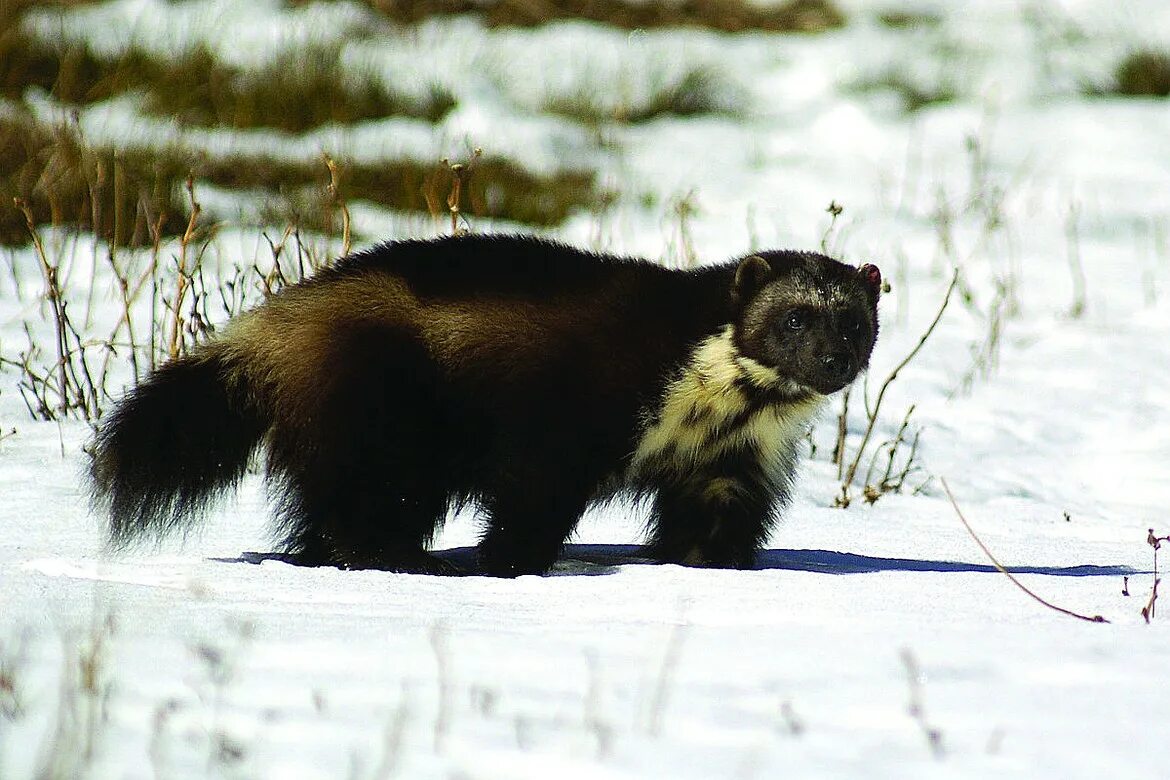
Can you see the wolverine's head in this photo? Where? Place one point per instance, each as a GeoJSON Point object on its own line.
{"type": "Point", "coordinates": [812, 319]}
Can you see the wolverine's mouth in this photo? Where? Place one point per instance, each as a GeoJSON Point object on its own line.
{"type": "Point", "coordinates": [834, 372]}
{"type": "Point", "coordinates": [793, 390]}
{"type": "Point", "coordinates": [828, 388]}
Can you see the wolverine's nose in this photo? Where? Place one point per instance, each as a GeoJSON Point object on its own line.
{"type": "Point", "coordinates": [837, 366]}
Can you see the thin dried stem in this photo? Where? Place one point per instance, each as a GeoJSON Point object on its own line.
{"type": "Point", "coordinates": [183, 278]}
{"type": "Point", "coordinates": [1076, 268]}
{"type": "Point", "coordinates": [842, 429]}
{"type": "Point", "coordinates": [851, 472]}
{"type": "Point", "coordinates": [460, 175]}
{"type": "Point", "coordinates": [1005, 572]}
{"type": "Point", "coordinates": [670, 660]}
{"type": "Point", "coordinates": [339, 203]}
{"type": "Point", "coordinates": [898, 441]}
{"type": "Point", "coordinates": [916, 708]}
{"type": "Point", "coordinates": [52, 293]}
{"type": "Point", "coordinates": [1148, 609]}
{"type": "Point", "coordinates": [1154, 541]}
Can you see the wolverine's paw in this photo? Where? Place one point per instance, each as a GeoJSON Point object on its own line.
{"type": "Point", "coordinates": [419, 563]}
{"type": "Point", "coordinates": [412, 562]}
{"type": "Point", "coordinates": [494, 565]}
{"type": "Point", "coordinates": [698, 557]}
{"type": "Point", "coordinates": [441, 567]}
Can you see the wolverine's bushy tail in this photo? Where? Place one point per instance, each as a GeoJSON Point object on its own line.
{"type": "Point", "coordinates": [171, 445]}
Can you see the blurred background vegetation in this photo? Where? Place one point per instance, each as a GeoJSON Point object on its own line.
{"type": "Point", "coordinates": [132, 194]}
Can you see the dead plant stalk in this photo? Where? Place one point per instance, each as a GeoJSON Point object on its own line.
{"type": "Point", "coordinates": [1002, 570]}
{"type": "Point", "coordinates": [339, 203]}
{"type": "Point", "coordinates": [183, 278]}
{"type": "Point", "coordinates": [851, 472]}
{"type": "Point", "coordinates": [1154, 541]}
{"type": "Point", "coordinates": [53, 295]}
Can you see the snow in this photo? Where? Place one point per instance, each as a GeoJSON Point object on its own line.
{"type": "Point", "coordinates": [225, 664]}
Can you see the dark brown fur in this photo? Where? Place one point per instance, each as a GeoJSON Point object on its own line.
{"type": "Point", "coordinates": [528, 377]}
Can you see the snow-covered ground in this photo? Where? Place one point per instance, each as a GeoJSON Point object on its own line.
{"type": "Point", "coordinates": [872, 641]}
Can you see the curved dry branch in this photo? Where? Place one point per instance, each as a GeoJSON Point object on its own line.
{"type": "Point", "coordinates": [1008, 574]}
{"type": "Point", "coordinates": [851, 472]}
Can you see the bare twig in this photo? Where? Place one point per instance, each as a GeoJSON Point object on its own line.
{"type": "Point", "coordinates": [683, 208]}
{"type": "Point", "coordinates": [834, 211]}
{"type": "Point", "coordinates": [13, 661]}
{"type": "Point", "coordinates": [1076, 267]}
{"type": "Point", "coordinates": [917, 707]}
{"type": "Point", "coordinates": [1148, 609]}
{"type": "Point", "coordinates": [69, 382]}
{"type": "Point", "coordinates": [594, 721]}
{"type": "Point", "coordinates": [392, 739]}
{"type": "Point", "coordinates": [339, 203]}
{"type": "Point", "coordinates": [1008, 574]}
{"type": "Point", "coordinates": [443, 669]}
{"type": "Point", "coordinates": [986, 356]}
{"type": "Point", "coordinates": [844, 499]}
{"type": "Point", "coordinates": [888, 482]}
{"type": "Point", "coordinates": [460, 175]}
{"type": "Point", "coordinates": [791, 722]}
{"type": "Point", "coordinates": [1155, 542]}
{"type": "Point", "coordinates": [670, 659]}
{"type": "Point", "coordinates": [184, 275]}
{"type": "Point", "coordinates": [842, 429]}
{"type": "Point", "coordinates": [52, 294]}
{"type": "Point", "coordinates": [156, 239]}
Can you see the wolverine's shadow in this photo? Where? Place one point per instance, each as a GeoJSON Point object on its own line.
{"type": "Point", "coordinates": [578, 559]}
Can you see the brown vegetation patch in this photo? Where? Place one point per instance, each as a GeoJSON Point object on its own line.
{"type": "Point", "coordinates": [126, 196]}
{"type": "Point", "coordinates": [804, 16]}
{"type": "Point", "coordinates": [496, 188]}
{"type": "Point", "coordinates": [121, 196]}
{"type": "Point", "coordinates": [697, 91]}
{"type": "Point", "coordinates": [914, 92]}
{"type": "Point", "coordinates": [901, 19]}
{"type": "Point", "coordinates": [301, 88]}
{"type": "Point", "coordinates": [1144, 73]}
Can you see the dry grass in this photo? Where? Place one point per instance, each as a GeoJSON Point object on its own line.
{"type": "Point", "coordinates": [914, 92]}
{"type": "Point", "coordinates": [121, 196]}
{"type": "Point", "coordinates": [1003, 570]}
{"type": "Point", "coordinates": [846, 469]}
{"type": "Point", "coordinates": [126, 195]}
{"type": "Point", "coordinates": [700, 90]}
{"type": "Point", "coordinates": [903, 19]}
{"type": "Point", "coordinates": [498, 189]}
{"type": "Point", "coordinates": [1144, 73]}
{"type": "Point", "coordinates": [301, 88]}
{"type": "Point", "coordinates": [804, 16]}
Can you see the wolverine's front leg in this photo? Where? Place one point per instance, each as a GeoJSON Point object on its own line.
{"type": "Point", "coordinates": [718, 516]}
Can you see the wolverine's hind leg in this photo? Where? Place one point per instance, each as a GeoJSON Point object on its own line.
{"type": "Point", "coordinates": [384, 527]}
{"type": "Point", "coordinates": [529, 515]}
{"type": "Point", "coordinates": [364, 478]}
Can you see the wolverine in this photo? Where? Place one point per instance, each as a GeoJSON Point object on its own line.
{"type": "Point", "coordinates": [525, 377]}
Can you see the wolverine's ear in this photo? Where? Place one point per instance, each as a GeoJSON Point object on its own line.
{"type": "Point", "coordinates": [752, 274]}
{"type": "Point", "coordinates": [872, 278]}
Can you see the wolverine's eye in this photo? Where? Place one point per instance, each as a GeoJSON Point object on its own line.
{"type": "Point", "coordinates": [796, 321]}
